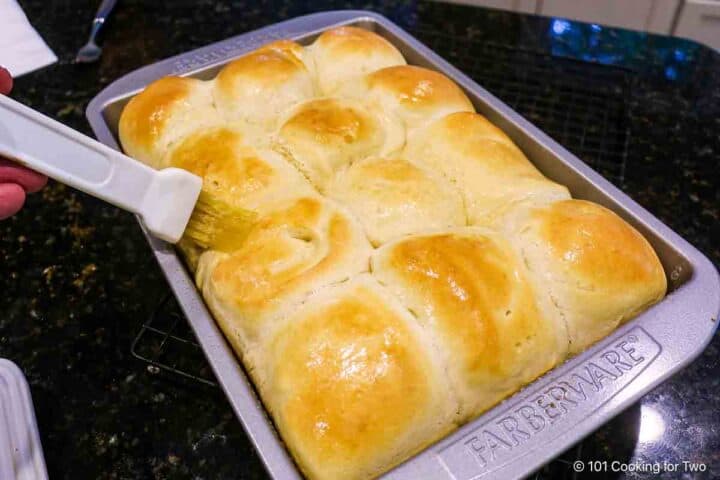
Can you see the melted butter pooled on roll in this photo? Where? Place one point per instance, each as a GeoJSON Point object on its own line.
{"type": "Point", "coordinates": [346, 52]}
{"type": "Point", "coordinates": [598, 270]}
{"type": "Point", "coordinates": [353, 384]}
{"type": "Point", "coordinates": [167, 110]}
{"type": "Point", "coordinates": [393, 197]}
{"type": "Point", "coordinates": [492, 173]}
{"type": "Point", "coordinates": [417, 95]}
{"type": "Point", "coordinates": [470, 289]}
{"type": "Point", "coordinates": [299, 247]}
{"type": "Point", "coordinates": [322, 136]}
{"type": "Point", "coordinates": [254, 89]}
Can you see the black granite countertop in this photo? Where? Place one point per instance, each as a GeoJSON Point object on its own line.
{"type": "Point", "coordinates": [77, 279]}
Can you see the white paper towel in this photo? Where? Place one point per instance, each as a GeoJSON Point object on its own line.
{"type": "Point", "coordinates": [21, 455]}
{"type": "Point", "coordinates": [22, 50]}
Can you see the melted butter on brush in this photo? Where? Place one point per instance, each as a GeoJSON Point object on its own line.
{"type": "Point", "coordinates": [218, 225]}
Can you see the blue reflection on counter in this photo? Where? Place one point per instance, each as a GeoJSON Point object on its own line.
{"type": "Point", "coordinates": [671, 72]}
{"type": "Point", "coordinates": [560, 26]}
{"type": "Point", "coordinates": [674, 58]}
{"type": "Point", "coordinates": [580, 40]}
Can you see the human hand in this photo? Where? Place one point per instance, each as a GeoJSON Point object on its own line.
{"type": "Point", "coordinates": [15, 181]}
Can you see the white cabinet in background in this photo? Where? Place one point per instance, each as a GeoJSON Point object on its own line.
{"type": "Point", "coordinates": [700, 20]}
{"type": "Point", "coordinates": [695, 19]}
{"type": "Point", "coordinates": [526, 6]}
{"type": "Point", "coordinates": [662, 16]}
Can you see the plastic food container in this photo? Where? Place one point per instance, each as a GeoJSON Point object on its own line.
{"type": "Point", "coordinates": [21, 456]}
{"type": "Point", "coordinates": [537, 423]}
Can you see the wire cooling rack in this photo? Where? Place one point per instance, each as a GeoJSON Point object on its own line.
{"type": "Point", "coordinates": [166, 343]}
{"type": "Point", "coordinates": [582, 105]}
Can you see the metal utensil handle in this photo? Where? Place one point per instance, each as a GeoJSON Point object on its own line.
{"type": "Point", "coordinates": [103, 11]}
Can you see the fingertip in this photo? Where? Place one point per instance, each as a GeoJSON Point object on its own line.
{"type": "Point", "coordinates": [11, 172]}
{"type": "Point", "coordinates": [6, 81]}
{"type": "Point", "coordinates": [35, 182]}
{"type": "Point", "coordinates": [12, 199]}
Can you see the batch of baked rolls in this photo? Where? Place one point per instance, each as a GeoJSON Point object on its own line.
{"type": "Point", "coordinates": [409, 269]}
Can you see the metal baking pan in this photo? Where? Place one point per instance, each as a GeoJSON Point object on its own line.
{"type": "Point", "coordinates": [549, 415]}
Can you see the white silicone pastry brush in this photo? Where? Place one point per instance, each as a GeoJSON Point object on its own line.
{"type": "Point", "coordinates": [170, 201]}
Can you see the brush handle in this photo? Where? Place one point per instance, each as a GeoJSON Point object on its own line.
{"type": "Point", "coordinates": [165, 199]}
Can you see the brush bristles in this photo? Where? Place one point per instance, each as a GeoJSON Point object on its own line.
{"type": "Point", "coordinates": [218, 225]}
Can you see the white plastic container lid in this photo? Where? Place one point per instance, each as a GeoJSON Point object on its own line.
{"type": "Point", "coordinates": [21, 456]}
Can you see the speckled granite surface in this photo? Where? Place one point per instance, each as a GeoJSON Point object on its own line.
{"type": "Point", "coordinates": [77, 278]}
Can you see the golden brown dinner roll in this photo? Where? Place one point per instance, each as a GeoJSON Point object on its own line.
{"type": "Point", "coordinates": [393, 197]}
{"type": "Point", "coordinates": [354, 384]}
{"type": "Point", "coordinates": [322, 136]}
{"type": "Point", "coordinates": [254, 179]}
{"type": "Point", "coordinates": [493, 175]}
{"type": "Point", "coordinates": [417, 95]}
{"type": "Point", "coordinates": [254, 89]}
{"type": "Point", "coordinates": [167, 110]}
{"type": "Point", "coordinates": [346, 52]}
{"type": "Point", "coordinates": [598, 270]}
{"type": "Point", "coordinates": [471, 291]}
{"type": "Point", "coordinates": [235, 173]}
{"type": "Point", "coordinates": [299, 247]}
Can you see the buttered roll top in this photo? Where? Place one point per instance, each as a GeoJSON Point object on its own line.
{"type": "Point", "coordinates": [353, 381]}
{"type": "Point", "coordinates": [394, 197]}
{"type": "Point", "coordinates": [166, 111]}
{"type": "Point", "coordinates": [302, 245]}
{"type": "Point", "coordinates": [416, 95]}
{"type": "Point", "coordinates": [254, 89]}
{"type": "Point", "coordinates": [597, 269]}
{"type": "Point", "coordinates": [341, 54]}
{"type": "Point", "coordinates": [493, 174]}
{"type": "Point", "coordinates": [254, 179]}
{"type": "Point", "coordinates": [323, 136]}
{"type": "Point", "coordinates": [472, 292]}
{"type": "Point", "coordinates": [410, 267]}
